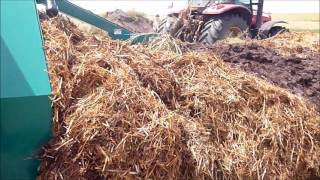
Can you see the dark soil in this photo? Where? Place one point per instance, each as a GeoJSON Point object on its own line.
{"type": "Point", "coordinates": [299, 75]}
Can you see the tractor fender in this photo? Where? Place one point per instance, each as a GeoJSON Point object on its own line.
{"type": "Point", "coordinates": [266, 27]}
{"type": "Point", "coordinates": [232, 8]}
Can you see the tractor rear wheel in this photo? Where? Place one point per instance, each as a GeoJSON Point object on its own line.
{"type": "Point", "coordinates": [222, 27]}
{"type": "Point", "coordinates": [277, 30]}
{"type": "Point", "coordinates": [167, 24]}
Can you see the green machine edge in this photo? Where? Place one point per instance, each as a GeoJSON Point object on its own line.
{"type": "Point", "coordinates": [25, 89]}
{"type": "Point", "coordinates": [114, 31]}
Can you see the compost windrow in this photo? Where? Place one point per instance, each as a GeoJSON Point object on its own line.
{"type": "Point", "coordinates": [126, 112]}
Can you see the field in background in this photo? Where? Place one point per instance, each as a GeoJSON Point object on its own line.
{"type": "Point", "coordinates": [296, 22]}
{"type": "Point", "coordinates": [300, 22]}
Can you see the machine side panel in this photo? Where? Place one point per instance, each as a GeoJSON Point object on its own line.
{"type": "Point", "coordinates": [25, 127]}
{"type": "Point", "coordinates": [23, 66]}
{"type": "Point", "coordinates": [25, 107]}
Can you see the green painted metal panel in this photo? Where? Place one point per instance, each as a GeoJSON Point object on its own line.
{"type": "Point", "coordinates": [25, 127]}
{"type": "Point", "coordinates": [25, 107]}
{"type": "Point", "coordinates": [142, 38]}
{"type": "Point", "coordinates": [23, 69]}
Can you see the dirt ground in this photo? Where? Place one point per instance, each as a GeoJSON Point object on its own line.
{"type": "Point", "coordinates": [134, 22]}
{"type": "Point", "coordinates": [298, 72]}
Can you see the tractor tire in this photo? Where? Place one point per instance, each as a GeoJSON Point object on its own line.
{"type": "Point", "coordinates": [277, 30]}
{"type": "Point", "coordinates": [166, 25]}
{"type": "Point", "coordinates": [162, 26]}
{"type": "Point", "coordinates": [221, 27]}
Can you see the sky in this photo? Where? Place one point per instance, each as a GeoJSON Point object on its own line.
{"type": "Point", "coordinates": [161, 6]}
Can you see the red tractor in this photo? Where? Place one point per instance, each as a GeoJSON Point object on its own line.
{"type": "Point", "coordinates": [207, 21]}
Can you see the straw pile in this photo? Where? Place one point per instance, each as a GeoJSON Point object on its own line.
{"type": "Point", "coordinates": [107, 126]}
{"type": "Point", "coordinates": [124, 112]}
{"type": "Point", "coordinates": [166, 42]}
{"type": "Point", "coordinates": [297, 43]}
{"type": "Point", "coordinates": [300, 44]}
